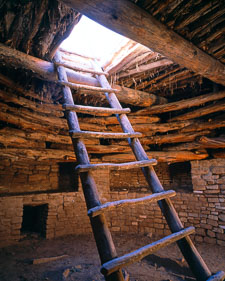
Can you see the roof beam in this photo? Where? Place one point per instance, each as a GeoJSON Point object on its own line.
{"type": "Point", "coordinates": [46, 71]}
{"type": "Point", "coordinates": [131, 21]}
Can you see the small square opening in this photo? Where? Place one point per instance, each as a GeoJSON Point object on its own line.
{"type": "Point", "coordinates": [34, 220]}
{"type": "Point", "coordinates": [68, 178]}
{"type": "Point", "coordinates": [180, 174]}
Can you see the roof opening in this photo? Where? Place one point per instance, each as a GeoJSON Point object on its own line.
{"type": "Point", "coordinates": [92, 39]}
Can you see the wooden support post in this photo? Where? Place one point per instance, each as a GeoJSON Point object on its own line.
{"type": "Point", "coordinates": [101, 232]}
{"type": "Point", "coordinates": [186, 246]}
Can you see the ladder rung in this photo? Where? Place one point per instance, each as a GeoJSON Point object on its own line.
{"type": "Point", "coordinates": [81, 69]}
{"type": "Point", "coordinates": [87, 88]}
{"type": "Point", "coordinates": [219, 276]}
{"type": "Point", "coordinates": [96, 110]}
{"type": "Point", "coordinates": [116, 167]}
{"type": "Point", "coordinates": [93, 212]}
{"type": "Point", "coordinates": [90, 134]}
{"type": "Point", "coordinates": [117, 263]}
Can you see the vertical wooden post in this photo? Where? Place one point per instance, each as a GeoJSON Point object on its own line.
{"type": "Point", "coordinates": [100, 229]}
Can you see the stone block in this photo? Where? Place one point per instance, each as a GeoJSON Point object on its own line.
{"type": "Point", "coordinates": [198, 238]}
{"type": "Point", "coordinates": [220, 236]}
{"type": "Point", "coordinates": [218, 170]}
{"type": "Point", "coordinates": [220, 242]}
{"type": "Point", "coordinates": [206, 226]}
{"type": "Point", "coordinates": [213, 186]}
{"type": "Point", "coordinates": [209, 240]}
{"type": "Point", "coordinates": [115, 228]}
{"type": "Point", "coordinates": [212, 222]}
{"type": "Point", "coordinates": [212, 217]}
{"type": "Point", "coordinates": [222, 217]}
{"type": "Point", "coordinates": [211, 233]}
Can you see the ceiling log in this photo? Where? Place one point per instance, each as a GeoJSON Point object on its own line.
{"type": "Point", "coordinates": [218, 106]}
{"type": "Point", "coordinates": [135, 23]}
{"type": "Point", "coordinates": [182, 104]}
{"type": "Point", "coordinates": [46, 71]}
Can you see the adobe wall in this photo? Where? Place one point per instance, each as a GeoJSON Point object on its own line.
{"type": "Point", "coordinates": [204, 207]}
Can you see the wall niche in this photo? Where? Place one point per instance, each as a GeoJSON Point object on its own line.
{"type": "Point", "coordinates": [68, 177]}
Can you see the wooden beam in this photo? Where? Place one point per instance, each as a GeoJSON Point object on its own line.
{"type": "Point", "coordinates": [160, 156]}
{"type": "Point", "coordinates": [219, 106]}
{"type": "Point", "coordinates": [185, 103]}
{"type": "Point", "coordinates": [200, 143]}
{"type": "Point", "coordinates": [173, 138]}
{"type": "Point", "coordinates": [145, 68]}
{"type": "Point", "coordinates": [212, 142]}
{"type": "Point", "coordinates": [46, 71]}
{"type": "Point", "coordinates": [135, 23]}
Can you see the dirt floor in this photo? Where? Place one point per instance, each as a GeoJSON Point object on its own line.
{"type": "Point", "coordinates": [82, 262]}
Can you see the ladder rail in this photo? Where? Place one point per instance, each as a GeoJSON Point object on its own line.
{"type": "Point", "coordinates": [186, 245]}
{"type": "Point", "coordinates": [100, 229]}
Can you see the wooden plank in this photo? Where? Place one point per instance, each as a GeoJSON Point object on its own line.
{"type": "Point", "coordinates": [121, 203]}
{"type": "Point", "coordinates": [116, 167]}
{"type": "Point", "coordinates": [86, 87]}
{"type": "Point", "coordinates": [182, 104]}
{"type": "Point", "coordinates": [128, 19]}
{"type": "Point", "coordinates": [219, 276]}
{"type": "Point", "coordinates": [95, 110]}
{"type": "Point", "coordinates": [44, 260]}
{"type": "Point", "coordinates": [117, 263]}
{"type": "Point", "coordinates": [67, 65]}
{"type": "Point", "coordinates": [90, 134]}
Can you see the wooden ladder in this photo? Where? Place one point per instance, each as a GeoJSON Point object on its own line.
{"type": "Point", "coordinates": [112, 264]}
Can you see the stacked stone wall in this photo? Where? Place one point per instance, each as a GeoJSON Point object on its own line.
{"type": "Point", "coordinates": [204, 208]}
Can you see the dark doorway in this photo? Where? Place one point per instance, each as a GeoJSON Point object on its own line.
{"type": "Point", "coordinates": [34, 219]}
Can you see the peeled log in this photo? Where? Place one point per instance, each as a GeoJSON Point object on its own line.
{"type": "Point", "coordinates": [202, 125]}
{"type": "Point", "coordinates": [160, 156]}
{"type": "Point", "coordinates": [46, 71]}
{"type": "Point", "coordinates": [173, 138]}
{"type": "Point", "coordinates": [200, 143]}
{"type": "Point", "coordinates": [178, 105]}
{"type": "Point", "coordinates": [212, 142]}
{"type": "Point", "coordinates": [219, 154]}
{"type": "Point", "coordinates": [38, 154]}
{"type": "Point", "coordinates": [219, 106]}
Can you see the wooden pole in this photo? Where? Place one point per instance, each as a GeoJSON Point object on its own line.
{"type": "Point", "coordinates": [135, 23]}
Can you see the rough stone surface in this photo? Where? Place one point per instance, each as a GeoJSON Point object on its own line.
{"type": "Point", "coordinates": [66, 213]}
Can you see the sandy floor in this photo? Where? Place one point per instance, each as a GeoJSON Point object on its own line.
{"type": "Point", "coordinates": [82, 263]}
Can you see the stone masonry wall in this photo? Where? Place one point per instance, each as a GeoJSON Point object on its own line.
{"type": "Point", "coordinates": [204, 209]}
{"type": "Point", "coordinates": [26, 176]}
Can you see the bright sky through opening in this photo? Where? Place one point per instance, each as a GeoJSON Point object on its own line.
{"type": "Point", "coordinates": [92, 39]}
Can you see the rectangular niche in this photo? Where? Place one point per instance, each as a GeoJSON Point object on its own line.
{"type": "Point", "coordinates": [34, 220]}
{"type": "Point", "coordinates": [180, 176]}
{"type": "Point", "coordinates": [68, 177]}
